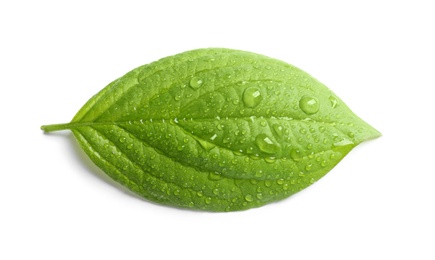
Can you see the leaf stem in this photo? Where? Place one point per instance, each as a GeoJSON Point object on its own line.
{"type": "Point", "coordinates": [56, 127]}
{"type": "Point", "coordinates": [66, 126]}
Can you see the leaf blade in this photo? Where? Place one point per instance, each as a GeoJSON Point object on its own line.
{"type": "Point", "coordinates": [217, 130]}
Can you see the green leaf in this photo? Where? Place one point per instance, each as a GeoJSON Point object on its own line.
{"type": "Point", "coordinates": [216, 129]}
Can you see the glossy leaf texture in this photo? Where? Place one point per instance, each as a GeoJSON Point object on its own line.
{"type": "Point", "coordinates": [216, 130]}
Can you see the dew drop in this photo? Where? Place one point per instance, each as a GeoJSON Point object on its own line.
{"type": "Point", "coordinates": [266, 144]}
{"type": "Point", "coordinates": [333, 101]}
{"type": "Point", "coordinates": [296, 155]}
{"type": "Point", "coordinates": [343, 142]}
{"type": "Point", "coordinates": [252, 97]}
{"type": "Point", "coordinates": [249, 198]}
{"type": "Point", "coordinates": [122, 139]}
{"type": "Point", "coordinates": [278, 129]}
{"type": "Point", "coordinates": [309, 105]}
{"type": "Point", "coordinates": [270, 159]}
{"type": "Point", "coordinates": [130, 146]}
{"type": "Point", "coordinates": [195, 83]}
{"type": "Point", "coordinates": [207, 200]}
{"type": "Point", "coordinates": [206, 145]}
{"type": "Point", "coordinates": [214, 176]}
{"type": "Point", "coordinates": [259, 174]}
{"type": "Point", "coordinates": [254, 156]}
{"type": "Point", "coordinates": [323, 163]}
{"type": "Point", "coordinates": [322, 129]}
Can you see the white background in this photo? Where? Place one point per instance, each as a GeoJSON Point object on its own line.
{"type": "Point", "coordinates": [378, 56]}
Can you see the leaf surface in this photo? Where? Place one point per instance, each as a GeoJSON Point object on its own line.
{"type": "Point", "coordinates": [217, 130]}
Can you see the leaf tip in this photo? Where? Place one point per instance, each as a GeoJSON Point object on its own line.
{"type": "Point", "coordinates": [373, 134]}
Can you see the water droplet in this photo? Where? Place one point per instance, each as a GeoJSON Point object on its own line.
{"type": "Point", "coordinates": [259, 196]}
{"type": "Point", "coordinates": [296, 155]}
{"type": "Point", "coordinates": [195, 83]}
{"type": "Point", "coordinates": [278, 129]}
{"type": "Point", "coordinates": [252, 97]}
{"type": "Point", "coordinates": [199, 194]}
{"type": "Point", "coordinates": [343, 142]}
{"type": "Point", "coordinates": [249, 198]}
{"type": "Point", "coordinates": [130, 146]}
{"type": "Point", "coordinates": [308, 167]}
{"type": "Point", "coordinates": [351, 135]}
{"type": "Point", "coordinates": [323, 163]}
{"type": "Point", "coordinates": [266, 144]}
{"type": "Point", "coordinates": [268, 183]}
{"type": "Point", "coordinates": [176, 192]}
{"type": "Point", "coordinates": [259, 174]}
{"type": "Point", "coordinates": [254, 156]}
{"type": "Point", "coordinates": [206, 145]}
{"type": "Point", "coordinates": [263, 123]}
{"type": "Point", "coordinates": [207, 200]}
{"type": "Point", "coordinates": [216, 191]}
{"type": "Point", "coordinates": [122, 139]}
{"type": "Point", "coordinates": [270, 159]}
{"type": "Point", "coordinates": [280, 181]}
{"type": "Point", "coordinates": [309, 105]}
{"type": "Point", "coordinates": [322, 129]}
{"type": "Point", "coordinates": [334, 101]}
{"type": "Point", "coordinates": [214, 176]}
{"type": "Point", "coordinates": [177, 98]}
